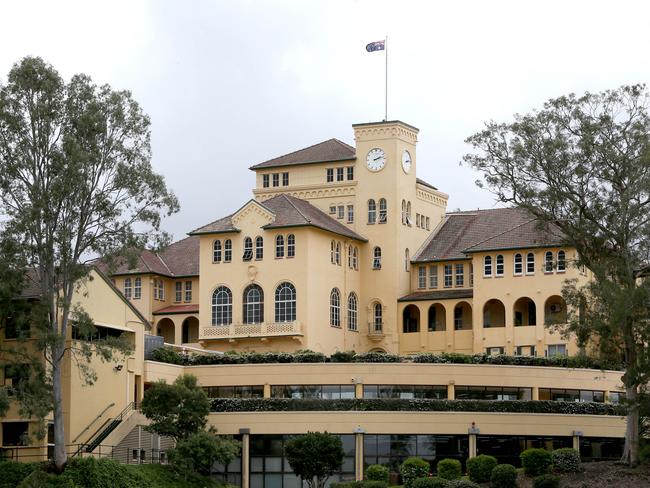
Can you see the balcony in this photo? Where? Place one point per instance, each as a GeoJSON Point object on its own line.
{"type": "Point", "coordinates": [376, 332]}
{"type": "Point", "coordinates": [244, 331]}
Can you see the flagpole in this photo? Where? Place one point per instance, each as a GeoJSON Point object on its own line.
{"type": "Point", "coordinates": [386, 81]}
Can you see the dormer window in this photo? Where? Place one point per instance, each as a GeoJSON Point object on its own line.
{"type": "Point", "coordinates": [248, 249]}
{"type": "Point", "coordinates": [265, 181]}
{"type": "Point", "coordinates": [276, 179]}
{"type": "Point", "coordinates": [339, 174]}
{"type": "Point", "coordinates": [330, 175]}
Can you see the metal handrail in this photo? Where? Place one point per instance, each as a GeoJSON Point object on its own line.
{"type": "Point", "coordinates": [119, 418]}
{"type": "Point", "coordinates": [101, 414]}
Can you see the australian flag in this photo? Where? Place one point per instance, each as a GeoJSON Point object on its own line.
{"type": "Point", "coordinates": [376, 46]}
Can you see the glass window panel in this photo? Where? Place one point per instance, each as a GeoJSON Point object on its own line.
{"type": "Point", "coordinates": [273, 464]}
{"type": "Point", "coordinates": [348, 465]}
{"type": "Point", "coordinates": [383, 445]}
{"type": "Point", "coordinates": [544, 394]}
{"type": "Point", "coordinates": [331, 392]}
{"type": "Point", "coordinates": [370, 444]}
{"type": "Point", "coordinates": [586, 396]}
{"type": "Point", "coordinates": [599, 396]}
{"type": "Point", "coordinates": [370, 391]}
{"type": "Point", "coordinates": [257, 464]}
{"type": "Point", "coordinates": [348, 444]}
{"type": "Point", "coordinates": [275, 447]}
{"type": "Point", "coordinates": [347, 391]}
{"type": "Point", "coordinates": [426, 445]}
{"type": "Point", "coordinates": [257, 481]}
{"type": "Point", "coordinates": [273, 481]}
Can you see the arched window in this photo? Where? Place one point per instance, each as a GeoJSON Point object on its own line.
{"type": "Point", "coordinates": [332, 250]}
{"type": "Point", "coordinates": [487, 266]}
{"type": "Point", "coordinates": [291, 246]}
{"type": "Point", "coordinates": [530, 263]}
{"type": "Point", "coordinates": [337, 253]}
{"type": "Point", "coordinates": [408, 213]}
{"type": "Point", "coordinates": [407, 260]}
{"type": "Point", "coordinates": [285, 302]}
{"type": "Point", "coordinates": [127, 288]}
{"type": "Point", "coordinates": [355, 258]}
{"type": "Point", "coordinates": [253, 304]}
{"type": "Point", "coordinates": [335, 308]}
{"type": "Point", "coordinates": [376, 258]}
{"type": "Point", "coordinates": [403, 212]}
{"type": "Point", "coordinates": [548, 262]}
{"type": "Point", "coordinates": [259, 247]}
{"type": "Point", "coordinates": [377, 319]}
{"type": "Point", "coordinates": [500, 265]}
{"type": "Point", "coordinates": [383, 211]}
{"type": "Point", "coordinates": [352, 313]}
{"type": "Point", "coordinates": [350, 257]}
{"type": "Point", "coordinates": [248, 249]}
{"type": "Point", "coordinates": [222, 306]}
{"type": "Point", "coordinates": [561, 261]}
{"type": "Point", "coordinates": [227, 251]}
{"type": "Point", "coordinates": [372, 211]}
{"type": "Point", "coordinates": [216, 251]}
{"type": "Point", "coordinates": [279, 246]}
{"type": "Point", "coordinates": [519, 265]}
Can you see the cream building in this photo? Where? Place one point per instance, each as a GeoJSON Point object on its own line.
{"type": "Point", "coordinates": [343, 248]}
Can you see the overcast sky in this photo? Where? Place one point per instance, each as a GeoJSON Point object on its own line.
{"type": "Point", "coordinates": [230, 84]}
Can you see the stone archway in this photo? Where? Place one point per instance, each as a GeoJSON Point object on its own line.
{"type": "Point", "coordinates": [190, 330]}
{"type": "Point", "coordinates": [167, 330]}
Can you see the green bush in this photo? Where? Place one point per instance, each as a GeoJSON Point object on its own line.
{"type": "Point", "coordinates": [102, 473]}
{"type": "Point", "coordinates": [644, 453]}
{"type": "Point", "coordinates": [41, 479]}
{"type": "Point", "coordinates": [12, 473]}
{"type": "Point", "coordinates": [480, 468]}
{"type": "Point", "coordinates": [566, 460]}
{"type": "Point", "coordinates": [536, 461]}
{"type": "Point", "coordinates": [450, 469]}
{"type": "Point", "coordinates": [413, 468]}
{"type": "Point", "coordinates": [360, 484]}
{"type": "Point", "coordinates": [462, 484]}
{"type": "Point", "coordinates": [377, 357]}
{"type": "Point", "coordinates": [434, 482]}
{"type": "Point", "coordinates": [377, 472]}
{"type": "Point", "coordinates": [198, 452]}
{"type": "Point", "coordinates": [503, 476]}
{"type": "Point", "coordinates": [343, 357]}
{"type": "Point", "coordinates": [546, 481]}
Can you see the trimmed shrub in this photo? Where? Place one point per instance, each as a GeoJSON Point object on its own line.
{"type": "Point", "coordinates": [360, 484]}
{"type": "Point", "coordinates": [480, 468]}
{"type": "Point", "coordinates": [102, 473]}
{"type": "Point", "coordinates": [12, 473]}
{"type": "Point", "coordinates": [377, 472]}
{"type": "Point", "coordinates": [546, 481]}
{"type": "Point", "coordinates": [377, 357]}
{"type": "Point", "coordinates": [566, 460]}
{"type": "Point", "coordinates": [462, 484]}
{"type": "Point", "coordinates": [413, 468]}
{"type": "Point", "coordinates": [434, 482]}
{"type": "Point", "coordinates": [343, 357]}
{"type": "Point", "coordinates": [450, 469]}
{"type": "Point", "coordinates": [503, 476]}
{"type": "Point", "coordinates": [536, 461]}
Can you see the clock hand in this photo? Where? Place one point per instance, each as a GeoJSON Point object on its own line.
{"type": "Point", "coordinates": [378, 157]}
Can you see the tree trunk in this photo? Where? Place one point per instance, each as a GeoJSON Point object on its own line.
{"type": "Point", "coordinates": [60, 454]}
{"type": "Point", "coordinates": [631, 449]}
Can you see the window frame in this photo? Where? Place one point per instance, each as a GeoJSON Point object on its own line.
{"type": "Point", "coordinates": [448, 276]}
{"type": "Point", "coordinates": [279, 246]}
{"type": "Point", "coordinates": [518, 262]}
{"type": "Point", "coordinates": [433, 276]}
{"type": "Point", "coordinates": [530, 264]}
{"type": "Point", "coordinates": [253, 307]}
{"type": "Point", "coordinates": [221, 312]}
{"type": "Point", "coordinates": [353, 312]}
{"type": "Point", "coordinates": [285, 308]}
{"type": "Point", "coordinates": [259, 248]}
{"type": "Point", "coordinates": [500, 266]}
{"type": "Point", "coordinates": [372, 211]}
{"type": "Point", "coordinates": [291, 246]}
{"type": "Point", "coordinates": [227, 251]}
{"type": "Point", "coordinates": [459, 278]}
{"type": "Point", "coordinates": [376, 257]}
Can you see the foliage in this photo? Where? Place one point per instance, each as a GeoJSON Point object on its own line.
{"type": "Point", "coordinates": [413, 468]}
{"type": "Point", "coordinates": [360, 484]}
{"type": "Point", "coordinates": [581, 167]}
{"type": "Point", "coordinates": [536, 461]}
{"type": "Point", "coordinates": [644, 453]}
{"type": "Point", "coordinates": [450, 469]}
{"type": "Point", "coordinates": [479, 468]}
{"type": "Point", "coordinates": [102, 473]}
{"type": "Point", "coordinates": [433, 482]}
{"type": "Point", "coordinates": [462, 484]}
{"type": "Point", "coordinates": [412, 405]}
{"type": "Point", "coordinates": [377, 357]}
{"type": "Point", "coordinates": [199, 451]}
{"type": "Point", "coordinates": [177, 410]}
{"type": "Point", "coordinates": [343, 357]}
{"type": "Point", "coordinates": [12, 473]}
{"type": "Point", "coordinates": [503, 476]}
{"type": "Point", "coordinates": [75, 181]}
{"type": "Point", "coordinates": [546, 481]}
{"type": "Point", "coordinates": [314, 457]}
{"type": "Point", "coordinates": [377, 472]}
{"type": "Point", "coordinates": [566, 460]}
{"type": "Point", "coordinates": [41, 479]}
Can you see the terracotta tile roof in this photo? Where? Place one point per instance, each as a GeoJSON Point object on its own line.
{"type": "Point", "coordinates": [223, 224]}
{"type": "Point", "coordinates": [326, 151]}
{"type": "Point", "coordinates": [175, 309]}
{"type": "Point", "coordinates": [461, 233]}
{"type": "Point", "coordinates": [436, 295]}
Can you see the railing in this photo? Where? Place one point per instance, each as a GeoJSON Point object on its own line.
{"type": "Point", "coordinates": [122, 454]}
{"type": "Point", "coordinates": [239, 331]}
{"type": "Point", "coordinates": [101, 414]}
{"type": "Point", "coordinates": [376, 331]}
{"type": "Point", "coordinates": [105, 430]}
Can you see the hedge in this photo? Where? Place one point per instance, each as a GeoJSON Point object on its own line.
{"type": "Point", "coordinates": [168, 355]}
{"type": "Point", "coordinates": [419, 405]}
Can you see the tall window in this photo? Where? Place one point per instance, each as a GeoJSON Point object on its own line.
{"type": "Point", "coordinates": [350, 214]}
{"type": "Point", "coordinates": [248, 249]}
{"type": "Point", "coordinates": [403, 212]}
{"type": "Point", "coordinates": [332, 250]}
{"type": "Point", "coordinates": [561, 262]}
{"type": "Point", "coordinates": [530, 263]}
{"type": "Point", "coordinates": [383, 211]}
{"type": "Point", "coordinates": [259, 247]}
{"type": "Point", "coordinates": [330, 175]}
{"type": "Point", "coordinates": [335, 308]}
{"type": "Point", "coordinates": [428, 221]}
{"type": "Point", "coordinates": [265, 181]}
{"type": "Point", "coordinates": [222, 306]}
{"type": "Point", "coordinates": [178, 296]}
{"type": "Point", "coordinates": [372, 211]}
{"type": "Point", "coordinates": [337, 253]}
{"type": "Point", "coordinates": [279, 246]}
{"type": "Point", "coordinates": [216, 251]}
{"type": "Point", "coordinates": [137, 288]}
{"type": "Point", "coordinates": [285, 302]}
{"type": "Point", "coordinates": [519, 265]}
{"type": "Point", "coordinates": [291, 246]}
{"type": "Point", "coordinates": [460, 274]}
{"type": "Point", "coordinates": [350, 171]}
{"type": "Point", "coordinates": [276, 179]}
{"type": "Point", "coordinates": [407, 260]}
{"type": "Point", "coordinates": [227, 251]}
{"type": "Point", "coordinates": [376, 258]}
{"type": "Point", "coordinates": [487, 266]}
{"type": "Point", "coordinates": [127, 288]}
{"type": "Point", "coordinates": [433, 276]}
{"type": "Point", "coordinates": [422, 277]}
{"type": "Point", "coordinates": [378, 322]}
{"type": "Point", "coordinates": [355, 258]}
{"type": "Point", "coordinates": [341, 211]}
{"type": "Point", "coordinates": [448, 275]}
{"type": "Point", "coordinates": [253, 304]}
{"type": "Point", "coordinates": [548, 262]}
{"type": "Point", "coordinates": [408, 213]}
{"type": "Point", "coordinates": [500, 265]}
{"type": "Point", "coordinates": [188, 291]}
{"type": "Point", "coordinates": [350, 257]}
{"type": "Point", "coordinates": [161, 289]}
{"type": "Point", "coordinates": [285, 179]}
{"type": "Point", "coordinates": [339, 174]}
{"type": "Point", "coordinates": [352, 313]}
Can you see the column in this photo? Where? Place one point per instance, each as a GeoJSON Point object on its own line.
{"type": "Point", "coordinates": [473, 431]}
{"type": "Point", "coordinates": [178, 333]}
{"type": "Point", "coordinates": [509, 331]}
{"type": "Point", "coordinates": [450, 330]}
{"type": "Point", "coordinates": [245, 457]}
{"type": "Point", "coordinates": [535, 393]}
{"type": "Point", "coordinates": [358, 388]}
{"type": "Point", "coordinates": [577, 434]}
{"type": "Point", "coordinates": [358, 458]}
{"type": "Point", "coordinates": [267, 391]}
{"type": "Point", "coordinates": [451, 390]}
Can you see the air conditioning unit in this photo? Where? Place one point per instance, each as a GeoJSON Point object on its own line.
{"type": "Point", "coordinates": [556, 307]}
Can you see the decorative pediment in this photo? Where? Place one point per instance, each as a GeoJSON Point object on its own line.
{"type": "Point", "coordinates": [253, 210]}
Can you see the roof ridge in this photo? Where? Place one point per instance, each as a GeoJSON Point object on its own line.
{"type": "Point", "coordinates": [347, 146]}
{"type": "Point", "coordinates": [164, 263]}
{"type": "Point", "coordinates": [297, 209]}
{"type": "Point", "coordinates": [189, 234]}
{"type": "Point", "coordinates": [301, 149]}
{"type": "Point", "coordinates": [510, 229]}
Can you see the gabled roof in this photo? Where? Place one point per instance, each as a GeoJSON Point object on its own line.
{"type": "Point", "coordinates": [462, 233]}
{"type": "Point", "coordinates": [221, 225]}
{"type": "Point", "coordinates": [326, 151]}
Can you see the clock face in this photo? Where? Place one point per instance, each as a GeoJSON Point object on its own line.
{"type": "Point", "coordinates": [406, 161]}
{"type": "Point", "coordinates": [376, 159]}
